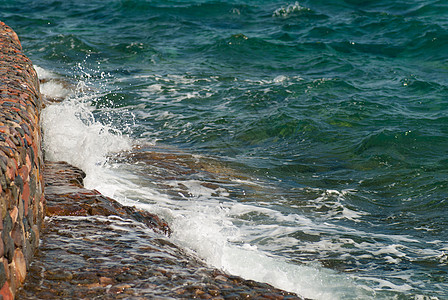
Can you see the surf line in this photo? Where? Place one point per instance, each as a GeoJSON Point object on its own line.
{"type": "Point", "coordinates": [40, 200]}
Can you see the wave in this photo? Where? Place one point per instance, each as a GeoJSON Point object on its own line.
{"type": "Point", "coordinates": [202, 214]}
{"type": "Point", "coordinates": [289, 10]}
{"type": "Point", "coordinates": [335, 110]}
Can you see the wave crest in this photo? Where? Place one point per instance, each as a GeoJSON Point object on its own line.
{"type": "Point", "coordinates": [287, 11]}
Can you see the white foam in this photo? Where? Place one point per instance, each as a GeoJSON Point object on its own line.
{"type": "Point", "coordinates": [43, 73]}
{"type": "Point", "coordinates": [208, 230]}
{"type": "Point", "coordinates": [280, 78]}
{"type": "Point", "coordinates": [206, 222]}
{"type": "Point", "coordinates": [52, 86]}
{"type": "Point", "coordinates": [205, 225]}
{"type": "Point", "coordinates": [155, 88]}
{"type": "Point", "coordinates": [286, 11]}
{"type": "Point", "coordinates": [385, 284]}
{"type": "Point", "coordinates": [54, 89]}
{"type": "Point", "coordinates": [390, 249]}
{"type": "Point", "coordinates": [315, 282]}
{"type": "Point", "coordinates": [72, 134]}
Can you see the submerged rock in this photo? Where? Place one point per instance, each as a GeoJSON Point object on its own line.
{"type": "Point", "coordinates": [66, 196]}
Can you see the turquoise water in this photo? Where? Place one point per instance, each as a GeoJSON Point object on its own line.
{"type": "Point", "coordinates": [333, 113]}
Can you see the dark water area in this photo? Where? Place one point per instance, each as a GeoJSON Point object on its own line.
{"type": "Point", "coordinates": [311, 133]}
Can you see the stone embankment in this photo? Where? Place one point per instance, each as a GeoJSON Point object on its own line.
{"type": "Point", "coordinates": [90, 246]}
{"type": "Point", "coordinates": [22, 202]}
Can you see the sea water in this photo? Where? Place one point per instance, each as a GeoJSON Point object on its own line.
{"type": "Point", "coordinates": [303, 144]}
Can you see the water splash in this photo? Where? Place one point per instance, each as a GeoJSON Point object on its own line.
{"type": "Point", "coordinates": [287, 11]}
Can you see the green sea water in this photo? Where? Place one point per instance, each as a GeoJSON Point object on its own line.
{"type": "Point", "coordinates": [335, 112]}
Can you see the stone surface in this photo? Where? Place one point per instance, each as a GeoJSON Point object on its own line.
{"type": "Point", "coordinates": [111, 252]}
{"type": "Point", "coordinates": [66, 196]}
{"type": "Point", "coordinates": [21, 186]}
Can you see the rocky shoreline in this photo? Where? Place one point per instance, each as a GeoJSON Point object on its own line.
{"type": "Point", "coordinates": [92, 247]}
{"type": "Point", "coordinates": [85, 245]}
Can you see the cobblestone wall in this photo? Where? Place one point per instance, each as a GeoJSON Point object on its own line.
{"type": "Point", "coordinates": [21, 188]}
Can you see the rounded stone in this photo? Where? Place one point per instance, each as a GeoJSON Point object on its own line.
{"type": "Point", "coordinates": [20, 265]}
{"type": "Point", "coordinates": [14, 213]}
{"type": "Point", "coordinates": [8, 246]}
{"type": "Point", "coordinates": [17, 235]}
{"type": "Point", "coordinates": [6, 292]}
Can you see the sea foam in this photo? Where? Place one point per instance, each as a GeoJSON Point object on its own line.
{"type": "Point", "coordinates": [204, 223]}
{"type": "Point", "coordinates": [71, 132]}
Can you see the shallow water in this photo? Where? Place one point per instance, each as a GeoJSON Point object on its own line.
{"type": "Point", "coordinates": [299, 143]}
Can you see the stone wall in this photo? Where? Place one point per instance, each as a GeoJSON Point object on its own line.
{"type": "Point", "coordinates": [22, 203]}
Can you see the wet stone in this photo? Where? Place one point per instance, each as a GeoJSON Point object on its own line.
{"type": "Point", "coordinates": [64, 188]}
{"type": "Point", "coordinates": [2, 274]}
{"type": "Point", "coordinates": [20, 264]}
{"type": "Point", "coordinates": [28, 252]}
{"type": "Point", "coordinates": [16, 235]}
{"type": "Point", "coordinates": [58, 274]}
{"type": "Point", "coordinates": [8, 246]}
{"type": "Point", "coordinates": [2, 248]}
{"type": "Point", "coordinates": [18, 181]}
{"type": "Point", "coordinates": [120, 256]}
